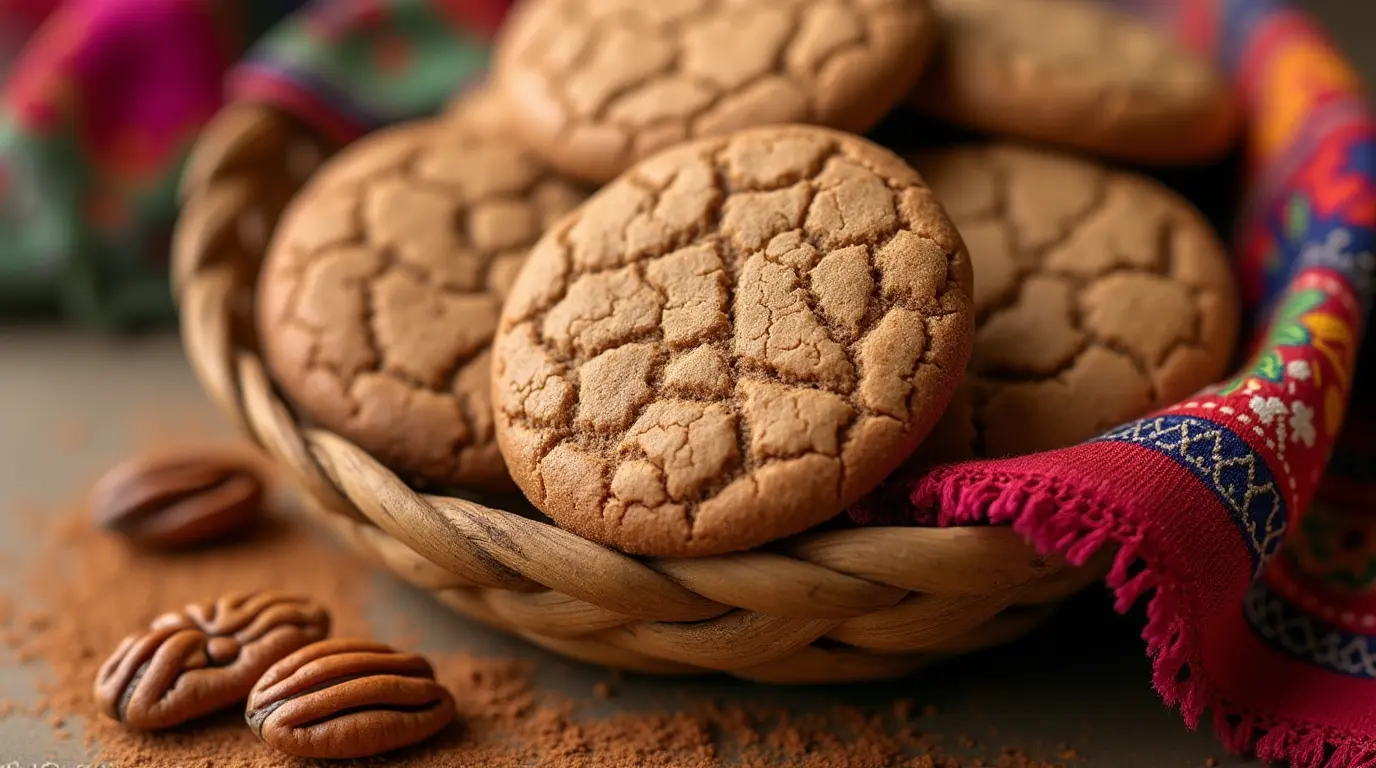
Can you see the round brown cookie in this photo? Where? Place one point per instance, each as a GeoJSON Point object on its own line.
{"type": "Point", "coordinates": [479, 109]}
{"type": "Point", "coordinates": [600, 84]}
{"type": "Point", "coordinates": [383, 286]}
{"type": "Point", "coordinates": [1079, 74]}
{"type": "Point", "coordinates": [1100, 296]}
{"type": "Point", "coordinates": [731, 342]}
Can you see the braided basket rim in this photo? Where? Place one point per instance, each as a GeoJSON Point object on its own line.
{"type": "Point", "coordinates": [829, 606]}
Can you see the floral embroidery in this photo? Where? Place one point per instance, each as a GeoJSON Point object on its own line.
{"type": "Point", "coordinates": [1267, 409]}
{"type": "Point", "coordinates": [1297, 217]}
{"type": "Point", "coordinates": [1336, 188]}
{"type": "Point", "coordinates": [1307, 348]}
{"type": "Point", "coordinates": [1288, 329]}
{"type": "Point", "coordinates": [1336, 546]}
{"type": "Point", "coordinates": [1302, 424]}
{"type": "Point", "coordinates": [1299, 79]}
{"type": "Point", "coordinates": [1333, 253]}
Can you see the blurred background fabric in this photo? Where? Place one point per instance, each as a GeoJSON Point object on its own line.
{"type": "Point", "coordinates": [102, 100]}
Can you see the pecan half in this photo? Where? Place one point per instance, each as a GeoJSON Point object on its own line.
{"type": "Point", "coordinates": [348, 698]}
{"type": "Point", "coordinates": [204, 657]}
{"type": "Point", "coordinates": [180, 500]}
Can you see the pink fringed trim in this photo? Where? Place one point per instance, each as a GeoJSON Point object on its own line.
{"type": "Point", "coordinates": [1075, 522]}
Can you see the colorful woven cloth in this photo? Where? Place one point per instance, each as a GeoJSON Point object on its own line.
{"type": "Point", "coordinates": [103, 99]}
{"type": "Point", "coordinates": [1262, 604]}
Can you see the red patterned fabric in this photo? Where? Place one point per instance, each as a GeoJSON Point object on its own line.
{"type": "Point", "coordinates": [1262, 605]}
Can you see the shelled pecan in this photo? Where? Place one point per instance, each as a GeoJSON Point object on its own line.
{"type": "Point", "coordinates": [203, 658]}
{"type": "Point", "coordinates": [178, 500]}
{"type": "Point", "coordinates": [346, 698]}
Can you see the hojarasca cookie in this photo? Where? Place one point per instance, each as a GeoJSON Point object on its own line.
{"type": "Point", "coordinates": [731, 342]}
{"type": "Point", "coordinates": [1100, 296]}
{"type": "Point", "coordinates": [1079, 74]}
{"type": "Point", "coordinates": [597, 84]}
{"type": "Point", "coordinates": [382, 289]}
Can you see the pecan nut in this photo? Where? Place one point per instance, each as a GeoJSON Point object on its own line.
{"type": "Point", "coordinates": [203, 658]}
{"type": "Point", "coordinates": [347, 698]}
{"type": "Point", "coordinates": [170, 501]}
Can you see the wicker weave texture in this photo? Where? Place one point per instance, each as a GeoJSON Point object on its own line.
{"type": "Point", "coordinates": [834, 606]}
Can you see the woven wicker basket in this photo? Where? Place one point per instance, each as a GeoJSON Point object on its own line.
{"type": "Point", "coordinates": [838, 605]}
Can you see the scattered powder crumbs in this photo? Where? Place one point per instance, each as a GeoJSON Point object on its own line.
{"type": "Point", "coordinates": [1017, 758]}
{"type": "Point", "coordinates": [903, 710]}
{"type": "Point", "coordinates": [86, 591]}
{"type": "Point", "coordinates": [10, 635]}
{"type": "Point", "coordinates": [37, 622]}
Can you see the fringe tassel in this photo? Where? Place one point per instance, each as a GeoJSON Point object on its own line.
{"type": "Point", "coordinates": [1076, 523]}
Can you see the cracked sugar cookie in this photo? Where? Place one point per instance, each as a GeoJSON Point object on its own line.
{"type": "Point", "coordinates": [1101, 296]}
{"type": "Point", "coordinates": [1079, 74]}
{"type": "Point", "coordinates": [731, 342]}
{"type": "Point", "coordinates": [600, 84]}
{"type": "Point", "coordinates": [382, 290]}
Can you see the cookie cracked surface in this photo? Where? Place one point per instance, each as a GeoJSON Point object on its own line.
{"type": "Point", "coordinates": [383, 287]}
{"type": "Point", "coordinates": [1078, 74]}
{"type": "Point", "coordinates": [731, 342]}
{"type": "Point", "coordinates": [600, 84]}
{"type": "Point", "coordinates": [1101, 296]}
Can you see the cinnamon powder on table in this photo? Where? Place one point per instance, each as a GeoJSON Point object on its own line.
{"type": "Point", "coordinates": [86, 591]}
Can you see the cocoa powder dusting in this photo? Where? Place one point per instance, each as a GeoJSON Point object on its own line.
{"type": "Point", "coordinates": [86, 590]}
{"type": "Point", "coordinates": [91, 590]}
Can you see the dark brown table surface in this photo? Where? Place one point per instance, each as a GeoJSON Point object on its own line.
{"type": "Point", "coordinates": [1082, 681]}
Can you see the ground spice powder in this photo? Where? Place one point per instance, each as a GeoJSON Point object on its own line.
{"type": "Point", "coordinates": [89, 590]}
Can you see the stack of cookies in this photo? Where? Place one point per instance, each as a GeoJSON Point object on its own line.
{"type": "Point", "coordinates": [653, 277]}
